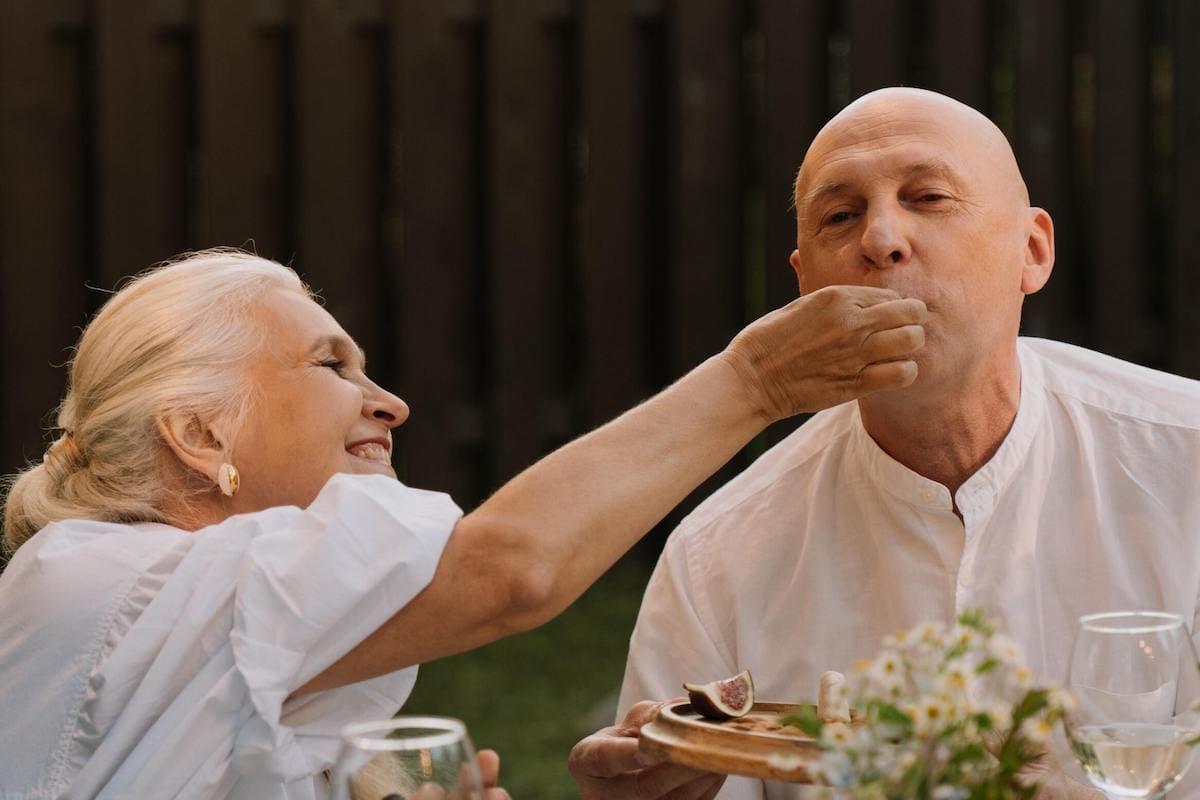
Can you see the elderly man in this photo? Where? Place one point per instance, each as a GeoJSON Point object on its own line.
{"type": "Point", "coordinates": [1033, 479]}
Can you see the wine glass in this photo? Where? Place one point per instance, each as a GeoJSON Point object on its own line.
{"type": "Point", "coordinates": [407, 758]}
{"type": "Point", "coordinates": [1136, 683]}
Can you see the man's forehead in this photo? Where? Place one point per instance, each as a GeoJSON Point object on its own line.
{"type": "Point", "coordinates": [849, 168]}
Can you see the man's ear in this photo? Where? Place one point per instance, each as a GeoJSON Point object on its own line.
{"type": "Point", "coordinates": [1039, 251]}
{"type": "Point", "coordinates": [195, 444]}
{"type": "Point", "coordinates": [794, 260]}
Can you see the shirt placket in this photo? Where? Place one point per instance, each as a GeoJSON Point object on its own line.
{"type": "Point", "coordinates": [976, 510]}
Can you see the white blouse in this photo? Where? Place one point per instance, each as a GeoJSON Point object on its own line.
{"type": "Point", "coordinates": [144, 661]}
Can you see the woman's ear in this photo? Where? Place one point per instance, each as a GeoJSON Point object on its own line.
{"type": "Point", "coordinates": [195, 444]}
{"type": "Point", "coordinates": [1039, 251]}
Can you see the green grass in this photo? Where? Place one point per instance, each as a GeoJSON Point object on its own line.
{"type": "Point", "coordinates": [529, 697]}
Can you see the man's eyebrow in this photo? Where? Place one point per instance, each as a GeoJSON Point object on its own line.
{"type": "Point", "coordinates": [821, 192]}
{"type": "Point", "coordinates": [933, 167]}
{"type": "Point", "coordinates": [336, 342]}
{"type": "Point", "coordinates": [930, 167]}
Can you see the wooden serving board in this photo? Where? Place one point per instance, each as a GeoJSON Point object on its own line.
{"type": "Point", "coordinates": [743, 746]}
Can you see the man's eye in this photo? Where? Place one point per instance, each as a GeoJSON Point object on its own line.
{"type": "Point", "coordinates": [334, 365]}
{"type": "Point", "coordinates": [932, 197]}
{"type": "Point", "coordinates": [837, 218]}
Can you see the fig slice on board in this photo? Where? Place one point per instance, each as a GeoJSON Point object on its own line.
{"type": "Point", "coordinates": [725, 699]}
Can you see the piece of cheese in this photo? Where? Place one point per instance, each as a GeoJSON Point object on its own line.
{"type": "Point", "coordinates": [832, 703]}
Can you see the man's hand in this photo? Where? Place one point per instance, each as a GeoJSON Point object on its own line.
{"type": "Point", "coordinates": [833, 345]}
{"type": "Point", "coordinates": [608, 766]}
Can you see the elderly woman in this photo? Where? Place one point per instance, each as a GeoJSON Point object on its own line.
{"type": "Point", "coordinates": [215, 566]}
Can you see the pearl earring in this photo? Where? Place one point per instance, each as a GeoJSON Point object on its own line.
{"type": "Point", "coordinates": [228, 479]}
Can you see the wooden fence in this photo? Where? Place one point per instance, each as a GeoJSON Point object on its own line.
{"type": "Point", "coordinates": [533, 213]}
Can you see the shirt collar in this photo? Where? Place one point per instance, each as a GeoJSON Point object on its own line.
{"type": "Point", "coordinates": [980, 490]}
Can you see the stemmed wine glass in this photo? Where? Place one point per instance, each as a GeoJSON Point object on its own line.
{"type": "Point", "coordinates": [407, 758]}
{"type": "Point", "coordinates": [1136, 683]}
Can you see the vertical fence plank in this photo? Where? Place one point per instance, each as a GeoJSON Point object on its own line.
{"type": "Point", "coordinates": [797, 35]}
{"type": "Point", "coordinates": [1043, 145]}
{"type": "Point", "coordinates": [878, 44]}
{"type": "Point", "coordinates": [42, 226]}
{"type": "Point", "coordinates": [706, 190]}
{"type": "Point", "coordinates": [613, 251]}
{"type": "Point", "coordinates": [1184, 295]}
{"type": "Point", "coordinates": [1117, 296]}
{"type": "Point", "coordinates": [527, 232]}
{"type": "Point", "coordinates": [436, 85]}
{"type": "Point", "coordinates": [243, 192]}
{"type": "Point", "coordinates": [962, 50]}
{"type": "Point", "coordinates": [142, 118]}
{"type": "Point", "coordinates": [338, 169]}
{"type": "Point", "coordinates": [797, 105]}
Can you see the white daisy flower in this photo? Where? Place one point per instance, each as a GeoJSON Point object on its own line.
{"type": "Point", "coordinates": [1005, 650]}
{"type": "Point", "coordinates": [1037, 729]}
{"type": "Point", "coordinates": [837, 734]}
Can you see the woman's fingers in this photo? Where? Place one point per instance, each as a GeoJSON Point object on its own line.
{"type": "Point", "coordinates": [893, 312]}
{"type": "Point", "coordinates": [489, 767]}
{"type": "Point", "coordinates": [813, 353]}
{"type": "Point", "coordinates": [892, 343]}
{"type": "Point", "coordinates": [888, 375]}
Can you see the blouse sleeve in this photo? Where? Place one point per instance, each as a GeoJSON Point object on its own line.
{"type": "Point", "coordinates": [188, 692]}
{"type": "Point", "coordinates": [310, 591]}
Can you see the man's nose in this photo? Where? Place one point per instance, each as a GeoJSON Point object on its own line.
{"type": "Point", "coordinates": [884, 241]}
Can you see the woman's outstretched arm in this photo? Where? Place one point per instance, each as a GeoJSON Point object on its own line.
{"type": "Point", "coordinates": [542, 539]}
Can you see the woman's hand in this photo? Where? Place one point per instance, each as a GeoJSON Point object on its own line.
{"type": "Point", "coordinates": [609, 766]}
{"type": "Point", "coordinates": [825, 348]}
{"type": "Point", "coordinates": [489, 774]}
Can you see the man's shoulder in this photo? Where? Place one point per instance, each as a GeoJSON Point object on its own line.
{"type": "Point", "coordinates": [782, 468]}
{"type": "Point", "coordinates": [1093, 380]}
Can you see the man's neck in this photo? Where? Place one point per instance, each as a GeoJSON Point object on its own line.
{"type": "Point", "coordinates": [947, 433]}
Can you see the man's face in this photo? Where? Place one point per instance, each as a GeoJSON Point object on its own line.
{"type": "Point", "coordinates": [894, 194]}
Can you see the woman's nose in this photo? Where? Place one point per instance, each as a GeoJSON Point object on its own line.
{"type": "Point", "coordinates": [382, 405]}
{"type": "Point", "coordinates": [884, 243]}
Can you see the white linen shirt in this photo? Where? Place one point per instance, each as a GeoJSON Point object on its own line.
{"type": "Point", "coordinates": [143, 661]}
{"type": "Point", "coordinates": [825, 544]}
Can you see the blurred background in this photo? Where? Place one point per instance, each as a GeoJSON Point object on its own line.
{"type": "Point", "coordinates": [534, 213]}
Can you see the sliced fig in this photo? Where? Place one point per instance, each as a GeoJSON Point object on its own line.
{"type": "Point", "coordinates": [732, 697]}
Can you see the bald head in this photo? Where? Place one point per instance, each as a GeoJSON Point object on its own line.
{"type": "Point", "coordinates": [912, 191]}
{"type": "Point", "coordinates": [889, 116]}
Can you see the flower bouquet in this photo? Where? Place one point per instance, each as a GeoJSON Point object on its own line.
{"type": "Point", "coordinates": [946, 713]}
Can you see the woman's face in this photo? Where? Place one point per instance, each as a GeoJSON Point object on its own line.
{"type": "Point", "coordinates": [315, 412]}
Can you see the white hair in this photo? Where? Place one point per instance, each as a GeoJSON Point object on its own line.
{"type": "Point", "coordinates": [172, 341]}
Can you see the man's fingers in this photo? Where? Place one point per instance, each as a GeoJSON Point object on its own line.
{"type": "Point", "coordinates": [702, 788]}
{"type": "Point", "coordinates": [428, 791]}
{"type": "Point", "coordinates": [893, 343]}
{"type": "Point", "coordinates": [605, 756]}
{"type": "Point", "coordinates": [664, 780]}
{"type": "Point", "coordinates": [496, 794]}
{"type": "Point", "coordinates": [638, 715]}
{"type": "Point", "coordinates": [716, 787]}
